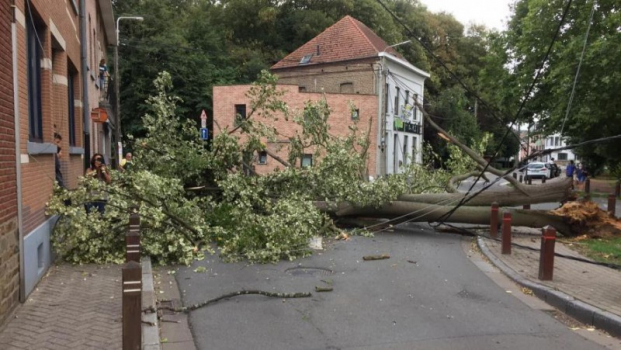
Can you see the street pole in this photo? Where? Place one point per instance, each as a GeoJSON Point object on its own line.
{"type": "Point", "coordinates": [117, 90]}
{"type": "Point", "coordinates": [117, 94]}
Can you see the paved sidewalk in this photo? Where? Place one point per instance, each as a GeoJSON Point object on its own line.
{"type": "Point", "coordinates": [585, 291]}
{"type": "Point", "coordinates": [73, 307]}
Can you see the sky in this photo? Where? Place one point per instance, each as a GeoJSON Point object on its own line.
{"type": "Point", "coordinates": [492, 13]}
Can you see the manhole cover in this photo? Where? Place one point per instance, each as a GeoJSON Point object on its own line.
{"type": "Point", "coordinates": [308, 271]}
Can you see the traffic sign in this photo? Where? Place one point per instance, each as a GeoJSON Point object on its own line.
{"type": "Point", "coordinates": [204, 133]}
{"type": "Point", "coordinates": [203, 119]}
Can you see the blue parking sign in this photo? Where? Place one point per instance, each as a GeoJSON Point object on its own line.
{"type": "Point", "coordinates": [204, 133]}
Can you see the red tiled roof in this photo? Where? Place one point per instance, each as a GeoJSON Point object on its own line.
{"type": "Point", "coordinates": [347, 39]}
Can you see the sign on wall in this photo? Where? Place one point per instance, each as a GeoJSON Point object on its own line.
{"type": "Point", "coordinates": [412, 128]}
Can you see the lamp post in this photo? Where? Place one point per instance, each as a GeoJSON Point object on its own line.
{"type": "Point", "coordinates": [117, 91]}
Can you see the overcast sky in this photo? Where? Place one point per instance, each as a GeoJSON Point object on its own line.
{"type": "Point", "coordinates": [492, 13]}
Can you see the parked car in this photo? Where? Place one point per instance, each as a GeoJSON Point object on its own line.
{"type": "Point", "coordinates": [539, 170]}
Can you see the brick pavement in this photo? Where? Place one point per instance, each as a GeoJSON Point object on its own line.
{"type": "Point", "coordinates": [595, 285]}
{"type": "Point", "coordinates": [74, 307]}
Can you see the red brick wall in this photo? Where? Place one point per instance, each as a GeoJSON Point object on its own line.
{"type": "Point", "coordinates": [329, 77]}
{"type": "Point", "coordinates": [38, 172]}
{"type": "Point", "coordinates": [9, 255]}
{"type": "Point", "coordinates": [226, 97]}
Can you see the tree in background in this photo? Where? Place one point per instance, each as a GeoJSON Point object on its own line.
{"type": "Point", "coordinates": [596, 109]}
{"type": "Point", "coordinates": [203, 43]}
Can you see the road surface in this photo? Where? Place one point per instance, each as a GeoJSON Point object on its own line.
{"type": "Point", "coordinates": [428, 295]}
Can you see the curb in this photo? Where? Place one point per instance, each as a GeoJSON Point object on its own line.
{"type": "Point", "coordinates": [150, 325]}
{"type": "Point", "coordinates": [569, 305]}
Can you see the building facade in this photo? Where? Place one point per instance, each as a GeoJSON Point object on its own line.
{"type": "Point", "coordinates": [349, 59]}
{"type": "Point", "coordinates": [346, 110]}
{"type": "Point", "coordinates": [9, 235]}
{"type": "Point", "coordinates": [45, 106]}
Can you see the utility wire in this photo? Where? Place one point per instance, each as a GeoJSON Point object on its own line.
{"type": "Point", "coordinates": [573, 89]}
{"type": "Point", "coordinates": [439, 60]}
{"type": "Point", "coordinates": [517, 115]}
{"type": "Point", "coordinates": [565, 256]}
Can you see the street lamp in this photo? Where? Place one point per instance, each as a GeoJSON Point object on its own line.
{"type": "Point", "coordinates": [116, 86]}
{"type": "Point", "coordinates": [398, 44]}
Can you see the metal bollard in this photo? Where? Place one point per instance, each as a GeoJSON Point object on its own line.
{"type": "Point", "coordinates": [546, 255]}
{"type": "Point", "coordinates": [493, 221]}
{"type": "Point", "coordinates": [526, 207]}
{"type": "Point", "coordinates": [506, 233]}
{"type": "Point", "coordinates": [530, 180]}
{"type": "Point", "coordinates": [543, 180]}
{"type": "Point", "coordinates": [587, 186]}
{"type": "Point", "coordinates": [515, 175]}
{"type": "Point", "coordinates": [132, 306]}
{"type": "Point", "coordinates": [521, 178]}
{"type": "Point", "coordinates": [612, 202]}
{"type": "Point", "coordinates": [132, 239]}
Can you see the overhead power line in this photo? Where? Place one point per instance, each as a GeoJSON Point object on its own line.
{"type": "Point", "coordinates": [411, 35]}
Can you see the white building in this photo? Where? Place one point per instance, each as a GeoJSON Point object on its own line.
{"type": "Point", "coordinates": [401, 131]}
{"type": "Point", "coordinates": [561, 157]}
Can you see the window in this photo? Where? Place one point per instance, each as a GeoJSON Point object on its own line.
{"type": "Point", "coordinates": [395, 153]}
{"type": "Point", "coordinates": [71, 106]}
{"type": "Point", "coordinates": [301, 88]}
{"type": "Point", "coordinates": [386, 99]}
{"type": "Point", "coordinates": [415, 108]}
{"type": "Point", "coordinates": [347, 88]}
{"type": "Point", "coordinates": [263, 157]}
{"type": "Point", "coordinates": [35, 113]}
{"type": "Point", "coordinates": [414, 139]}
{"type": "Point", "coordinates": [397, 101]}
{"type": "Point", "coordinates": [240, 113]}
{"type": "Point", "coordinates": [407, 97]}
{"type": "Point", "coordinates": [556, 141]}
{"type": "Point", "coordinates": [562, 156]}
{"type": "Point", "coordinates": [355, 114]}
{"type": "Point", "coordinates": [405, 150]}
{"type": "Point", "coordinates": [306, 59]}
{"type": "Point", "coordinates": [307, 160]}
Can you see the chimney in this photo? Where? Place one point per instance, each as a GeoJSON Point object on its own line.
{"type": "Point", "coordinates": [318, 53]}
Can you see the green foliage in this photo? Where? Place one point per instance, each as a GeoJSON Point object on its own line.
{"type": "Point", "coordinates": [258, 218]}
{"type": "Point", "coordinates": [595, 103]}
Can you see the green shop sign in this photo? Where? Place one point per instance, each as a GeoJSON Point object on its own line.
{"type": "Point", "coordinates": [400, 125]}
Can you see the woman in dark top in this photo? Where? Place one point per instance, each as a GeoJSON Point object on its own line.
{"type": "Point", "coordinates": [99, 171]}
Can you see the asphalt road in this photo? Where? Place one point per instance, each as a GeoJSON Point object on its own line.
{"type": "Point", "coordinates": [428, 295]}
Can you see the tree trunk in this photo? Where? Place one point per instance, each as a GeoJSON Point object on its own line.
{"type": "Point", "coordinates": [554, 191]}
{"type": "Point", "coordinates": [424, 212]}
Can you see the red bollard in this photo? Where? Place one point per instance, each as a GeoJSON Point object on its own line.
{"type": "Point", "coordinates": [493, 221]}
{"type": "Point", "coordinates": [612, 201]}
{"type": "Point", "coordinates": [526, 207]}
{"type": "Point", "coordinates": [132, 306]}
{"type": "Point", "coordinates": [546, 256]}
{"type": "Point", "coordinates": [506, 233]}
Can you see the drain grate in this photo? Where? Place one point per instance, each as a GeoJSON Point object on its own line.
{"type": "Point", "coordinates": [308, 271]}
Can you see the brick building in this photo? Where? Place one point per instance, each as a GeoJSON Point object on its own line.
{"type": "Point", "coordinates": [347, 60]}
{"type": "Point", "coordinates": [232, 100]}
{"type": "Point", "coordinates": [9, 237]}
{"type": "Point", "coordinates": [42, 93]}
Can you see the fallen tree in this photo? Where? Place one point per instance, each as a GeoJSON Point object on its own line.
{"type": "Point", "coordinates": [272, 217]}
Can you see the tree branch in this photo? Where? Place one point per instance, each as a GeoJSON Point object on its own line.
{"type": "Point", "coordinates": [471, 153]}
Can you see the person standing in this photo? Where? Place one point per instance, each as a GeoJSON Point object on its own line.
{"type": "Point", "coordinates": [571, 168]}
{"type": "Point", "coordinates": [98, 171]}
{"type": "Point", "coordinates": [57, 166]}
{"type": "Point", "coordinates": [126, 163]}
